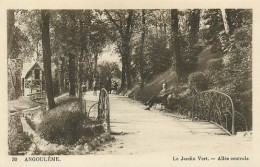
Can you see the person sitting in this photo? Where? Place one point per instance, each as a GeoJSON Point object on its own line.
{"type": "Point", "coordinates": [160, 98]}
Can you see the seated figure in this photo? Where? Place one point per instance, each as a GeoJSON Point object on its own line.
{"type": "Point", "coordinates": [160, 98]}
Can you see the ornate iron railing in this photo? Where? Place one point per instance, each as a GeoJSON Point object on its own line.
{"type": "Point", "coordinates": [99, 112]}
{"type": "Point", "coordinates": [217, 107]}
{"type": "Point", "coordinates": [104, 110]}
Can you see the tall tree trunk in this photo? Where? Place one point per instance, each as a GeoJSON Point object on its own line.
{"type": "Point", "coordinates": [95, 64]}
{"type": "Point", "coordinates": [194, 36]}
{"type": "Point", "coordinates": [62, 76]}
{"type": "Point", "coordinates": [80, 71]}
{"type": "Point", "coordinates": [47, 59]}
{"type": "Point", "coordinates": [176, 44]}
{"type": "Point", "coordinates": [225, 21]}
{"type": "Point", "coordinates": [228, 17]}
{"type": "Point", "coordinates": [10, 31]}
{"type": "Point", "coordinates": [10, 34]}
{"type": "Point", "coordinates": [194, 26]}
{"type": "Point", "coordinates": [127, 49]}
{"type": "Point", "coordinates": [72, 79]}
{"type": "Point", "coordinates": [141, 63]}
{"type": "Point", "coordinates": [123, 79]}
{"type": "Point", "coordinates": [128, 65]}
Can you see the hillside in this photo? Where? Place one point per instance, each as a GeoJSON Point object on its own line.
{"type": "Point", "coordinates": [169, 77]}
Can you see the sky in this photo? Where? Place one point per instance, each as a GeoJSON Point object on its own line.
{"type": "Point", "coordinates": [109, 54]}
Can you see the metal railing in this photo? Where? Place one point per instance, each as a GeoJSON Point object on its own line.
{"type": "Point", "coordinates": [36, 95]}
{"type": "Point", "coordinates": [100, 111]}
{"type": "Point", "coordinates": [218, 107]}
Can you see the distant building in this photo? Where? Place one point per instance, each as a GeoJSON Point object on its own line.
{"type": "Point", "coordinates": [33, 82]}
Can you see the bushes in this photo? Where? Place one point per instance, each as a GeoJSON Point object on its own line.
{"type": "Point", "coordinates": [18, 141]}
{"type": "Point", "coordinates": [62, 126]}
{"type": "Point", "coordinates": [215, 64]}
{"type": "Point", "coordinates": [66, 124]}
{"type": "Point", "coordinates": [198, 81]}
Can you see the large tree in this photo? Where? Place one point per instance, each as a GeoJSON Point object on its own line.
{"type": "Point", "coordinates": [141, 52]}
{"type": "Point", "coordinates": [194, 22]}
{"type": "Point", "coordinates": [176, 43]}
{"type": "Point", "coordinates": [123, 21]}
{"type": "Point", "coordinates": [45, 15]}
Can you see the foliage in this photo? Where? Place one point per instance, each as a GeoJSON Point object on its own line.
{"type": "Point", "coordinates": [235, 78]}
{"type": "Point", "coordinates": [63, 124]}
{"type": "Point", "coordinates": [18, 141]}
{"type": "Point", "coordinates": [236, 18]}
{"type": "Point", "coordinates": [189, 54]}
{"type": "Point", "coordinates": [215, 64]}
{"type": "Point", "coordinates": [14, 78]}
{"type": "Point", "coordinates": [158, 56]}
{"type": "Point", "coordinates": [213, 19]}
{"type": "Point", "coordinates": [198, 81]}
{"type": "Point", "coordinates": [108, 69]}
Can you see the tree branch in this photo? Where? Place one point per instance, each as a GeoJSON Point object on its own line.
{"type": "Point", "coordinates": [114, 22]}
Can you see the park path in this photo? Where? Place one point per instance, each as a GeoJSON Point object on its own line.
{"type": "Point", "coordinates": [138, 131]}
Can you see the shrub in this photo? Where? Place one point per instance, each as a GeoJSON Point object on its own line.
{"type": "Point", "coordinates": [198, 81]}
{"type": "Point", "coordinates": [243, 104]}
{"type": "Point", "coordinates": [215, 64]}
{"type": "Point", "coordinates": [18, 141]}
{"type": "Point", "coordinates": [62, 126]}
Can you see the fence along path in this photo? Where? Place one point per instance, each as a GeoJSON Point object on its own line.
{"type": "Point", "coordinates": [218, 108]}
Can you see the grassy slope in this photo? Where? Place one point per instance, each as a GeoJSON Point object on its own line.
{"type": "Point", "coordinates": [155, 85]}
{"type": "Point", "coordinates": [169, 77]}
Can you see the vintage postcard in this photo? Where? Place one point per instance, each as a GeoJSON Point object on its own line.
{"type": "Point", "coordinates": [140, 83]}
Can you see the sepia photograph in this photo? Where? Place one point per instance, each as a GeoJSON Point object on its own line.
{"type": "Point", "coordinates": [130, 82]}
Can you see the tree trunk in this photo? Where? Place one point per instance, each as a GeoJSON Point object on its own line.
{"type": "Point", "coordinates": [141, 63]}
{"type": "Point", "coordinates": [10, 31]}
{"type": "Point", "coordinates": [123, 79]}
{"type": "Point", "coordinates": [176, 44]}
{"type": "Point", "coordinates": [194, 26]}
{"type": "Point", "coordinates": [47, 59]}
{"type": "Point", "coordinates": [62, 76]}
{"type": "Point", "coordinates": [228, 17]}
{"type": "Point", "coordinates": [128, 64]}
{"type": "Point", "coordinates": [72, 69]}
{"type": "Point", "coordinates": [127, 50]}
{"type": "Point", "coordinates": [80, 71]}
{"type": "Point", "coordinates": [95, 64]}
{"type": "Point", "coordinates": [225, 21]}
